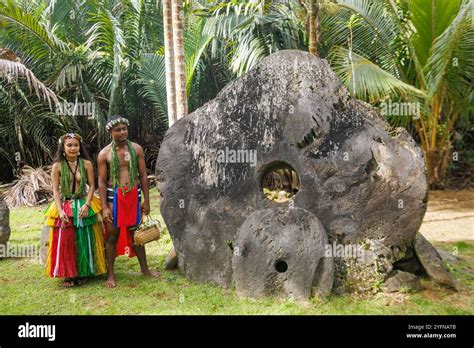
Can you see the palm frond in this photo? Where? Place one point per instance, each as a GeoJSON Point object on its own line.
{"type": "Point", "coordinates": [10, 70]}
{"type": "Point", "coordinates": [195, 43]}
{"type": "Point", "coordinates": [40, 34]}
{"type": "Point", "coordinates": [249, 31]}
{"type": "Point", "coordinates": [366, 80]}
{"type": "Point", "coordinates": [450, 66]}
{"type": "Point", "coordinates": [429, 19]}
{"type": "Point", "coordinates": [152, 82]}
{"type": "Point", "coordinates": [33, 186]}
{"type": "Point", "coordinates": [107, 36]}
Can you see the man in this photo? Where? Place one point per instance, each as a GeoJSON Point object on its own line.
{"type": "Point", "coordinates": [122, 181]}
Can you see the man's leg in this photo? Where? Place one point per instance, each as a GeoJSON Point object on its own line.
{"type": "Point", "coordinates": [141, 255]}
{"type": "Point", "coordinates": [111, 252]}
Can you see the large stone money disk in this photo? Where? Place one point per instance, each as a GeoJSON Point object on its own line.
{"type": "Point", "coordinates": [363, 181]}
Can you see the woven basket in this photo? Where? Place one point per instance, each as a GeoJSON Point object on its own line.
{"type": "Point", "coordinates": [148, 231]}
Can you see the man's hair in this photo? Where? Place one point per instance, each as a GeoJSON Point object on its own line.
{"type": "Point", "coordinates": [115, 120]}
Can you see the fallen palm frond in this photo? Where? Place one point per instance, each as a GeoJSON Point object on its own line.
{"type": "Point", "coordinates": [34, 186]}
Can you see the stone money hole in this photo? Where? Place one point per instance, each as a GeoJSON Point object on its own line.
{"type": "Point", "coordinates": [280, 182]}
{"type": "Point", "coordinates": [281, 266]}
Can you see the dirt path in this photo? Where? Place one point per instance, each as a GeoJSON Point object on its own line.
{"type": "Point", "coordinates": [450, 216]}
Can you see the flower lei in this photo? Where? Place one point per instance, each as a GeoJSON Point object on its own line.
{"type": "Point", "coordinates": [115, 122]}
{"type": "Point", "coordinates": [69, 136]}
{"type": "Point", "coordinates": [115, 167]}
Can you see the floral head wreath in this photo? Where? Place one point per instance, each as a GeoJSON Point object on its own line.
{"type": "Point", "coordinates": [70, 136]}
{"type": "Point", "coordinates": [112, 123]}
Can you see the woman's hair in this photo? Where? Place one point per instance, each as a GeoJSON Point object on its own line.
{"type": "Point", "coordinates": [59, 156]}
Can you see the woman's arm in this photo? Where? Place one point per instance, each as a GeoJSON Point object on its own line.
{"type": "Point", "coordinates": [56, 191]}
{"type": "Point", "coordinates": [90, 181]}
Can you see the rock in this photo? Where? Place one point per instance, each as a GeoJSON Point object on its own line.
{"type": "Point", "coordinates": [323, 281]}
{"type": "Point", "coordinates": [432, 262]}
{"type": "Point", "coordinates": [277, 253]}
{"type": "Point", "coordinates": [171, 261]}
{"type": "Point", "coordinates": [409, 263]}
{"type": "Point", "coordinates": [4, 225]}
{"type": "Point", "coordinates": [402, 281]}
{"type": "Point", "coordinates": [447, 256]}
{"type": "Point", "coordinates": [292, 112]}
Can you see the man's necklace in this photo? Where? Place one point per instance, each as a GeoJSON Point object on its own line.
{"type": "Point", "coordinates": [130, 156]}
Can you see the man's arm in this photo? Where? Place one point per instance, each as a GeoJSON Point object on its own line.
{"type": "Point", "coordinates": [102, 169]}
{"type": "Point", "coordinates": [143, 180]}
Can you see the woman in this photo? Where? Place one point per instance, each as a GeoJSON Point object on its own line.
{"type": "Point", "coordinates": [76, 242]}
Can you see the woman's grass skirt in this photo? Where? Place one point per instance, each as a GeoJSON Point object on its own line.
{"type": "Point", "coordinates": [76, 248]}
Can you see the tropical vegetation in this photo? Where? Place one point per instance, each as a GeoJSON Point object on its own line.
{"type": "Point", "coordinates": [111, 54]}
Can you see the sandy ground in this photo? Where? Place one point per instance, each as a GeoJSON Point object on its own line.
{"type": "Point", "coordinates": [450, 216]}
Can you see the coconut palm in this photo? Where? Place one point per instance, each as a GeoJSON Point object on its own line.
{"type": "Point", "coordinates": [179, 61]}
{"type": "Point", "coordinates": [406, 51]}
{"type": "Point", "coordinates": [313, 27]}
{"type": "Point", "coordinates": [420, 51]}
{"type": "Point", "coordinates": [169, 61]}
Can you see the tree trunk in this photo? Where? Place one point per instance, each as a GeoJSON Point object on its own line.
{"type": "Point", "coordinates": [169, 62]}
{"type": "Point", "coordinates": [175, 76]}
{"type": "Point", "coordinates": [313, 28]}
{"type": "Point", "coordinates": [437, 158]}
{"type": "Point", "coordinates": [180, 72]}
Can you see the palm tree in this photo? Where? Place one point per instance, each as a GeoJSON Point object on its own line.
{"type": "Point", "coordinates": [313, 28]}
{"type": "Point", "coordinates": [420, 51]}
{"type": "Point", "coordinates": [169, 59]}
{"type": "Point", "coordinates": [175, 56]}
{"type": "Point", "coordinates": [106, 53]}
{"type": "Point", "coordinates": [179, 62]}
{"type": "Point", "coordinates": [154, 70]}
{"type": "Point", "coordinates": [115, 54]}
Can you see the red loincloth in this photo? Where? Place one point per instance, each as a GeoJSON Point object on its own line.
{"type": "Point", "coordinates": [126, 214]}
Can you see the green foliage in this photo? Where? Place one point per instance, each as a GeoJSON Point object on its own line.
{"type": "Point", "coordinates": [418, 51]}
{"type": "Point", "coordinates": [111, 53]}
{"type": "Point", "coordinates": [366, 80]}
{"type": "Point", "coordinates": [105, 53]}
{"type": "Point", "coordinates": [251, 30]}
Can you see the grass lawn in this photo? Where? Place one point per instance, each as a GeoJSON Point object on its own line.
{"type": "Point", "coordinates": [25, 290]}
